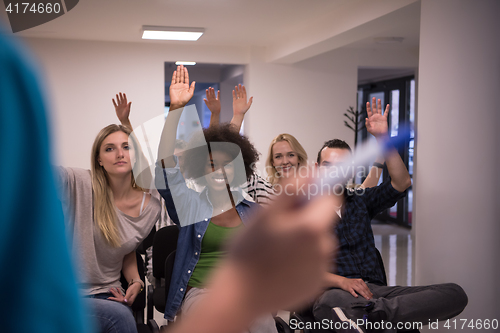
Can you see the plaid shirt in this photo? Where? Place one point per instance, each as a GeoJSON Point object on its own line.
{"type": "Point", "coordinates": [356, 255]}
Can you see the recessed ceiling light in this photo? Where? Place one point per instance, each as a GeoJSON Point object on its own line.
{"type": "Point", "coordinates": [388, 40]}
{"type": "Point", "coordinates": [171, 33]}
{"type": "Point", "coordinates": [185, 63]}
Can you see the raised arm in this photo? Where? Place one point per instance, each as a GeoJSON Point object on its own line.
{"type": "Point", "coordinates": [213, 104]}
{"type": "Point", "coordinates": [122, 109]}
{"type": "Point", "coordinates": [375, 173]}
{"type": "Point", "coordinates": [181, 93]}
{"type": "Point", "coordinates": [240, 105]}
{"type": "Point", "coordinates": [376, 124]}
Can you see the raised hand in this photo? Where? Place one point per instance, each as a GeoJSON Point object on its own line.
{"type": "Point", "coordinates": [240, 103]}
{"type": "Point", "coordinates": [213, 104]}
{"type": "Point", "coordinates": [122, 108]}
{"type": "Point", "coordinates": [212, 101]}
{"type": "Point", "coordinates": [376, 123]}
{"type": "Point", "coordinates": [181, 91]}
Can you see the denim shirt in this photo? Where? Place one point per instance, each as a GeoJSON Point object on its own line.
{"type": "Point", "coordinates": [194, 205]}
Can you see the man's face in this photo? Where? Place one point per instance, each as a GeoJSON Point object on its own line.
{"type": "Point", "coordinates": [331, 156]}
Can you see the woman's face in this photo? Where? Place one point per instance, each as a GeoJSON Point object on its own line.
{"type": "Point", "coordinates": [285, 160]}
{"type": "Point", "coordinates": [114, 154]}
{"type": "Point", "coordinates": [214, 174]}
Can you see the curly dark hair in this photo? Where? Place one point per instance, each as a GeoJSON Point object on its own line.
{"type": "Point", "coordinates": [195, 158]}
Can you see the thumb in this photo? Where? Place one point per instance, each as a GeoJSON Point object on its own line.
{"type": "Point", "coordinates": [191, 88]}
{"type": "Point", "coordinates": [250, 101]}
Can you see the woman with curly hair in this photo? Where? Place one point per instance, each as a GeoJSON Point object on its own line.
{"type": "Point", "coordinates": [221, 160]}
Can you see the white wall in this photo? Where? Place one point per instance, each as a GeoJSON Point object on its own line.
{"type": "Point", "coordinates": [457, 215]}
{"type": "Point", "coordinates": [83, 76]}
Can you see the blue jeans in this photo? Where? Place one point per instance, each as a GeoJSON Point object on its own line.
{"type": "Point", "coordinates": [110, 316]}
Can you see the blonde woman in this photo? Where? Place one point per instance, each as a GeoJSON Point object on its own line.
{"type": "Point", "coordinates": [107, 217]}
{"type": "Point", "coordinates": [286, 155]}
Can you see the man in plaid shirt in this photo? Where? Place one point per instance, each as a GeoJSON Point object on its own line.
{"type": "Point", "coordinates": [358, 272]}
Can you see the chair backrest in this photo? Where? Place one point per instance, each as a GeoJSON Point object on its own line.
{"type": "Point", "coordinates": [164, 243]}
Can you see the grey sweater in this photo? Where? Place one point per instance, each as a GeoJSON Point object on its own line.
{"type": "Point", "coordinates": [98, 263]}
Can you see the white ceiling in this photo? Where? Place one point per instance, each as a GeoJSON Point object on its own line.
{"type": "Point", "coordinates": [291, 30]}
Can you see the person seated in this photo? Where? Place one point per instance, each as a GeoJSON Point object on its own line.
{"type": "Point", "coordinates": [355, 288]}
{"type": "Point", "coordinates": [209, 218]}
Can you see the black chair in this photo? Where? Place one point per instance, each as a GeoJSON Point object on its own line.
{"type": "Point", "coordinates": [306, 315]}
{"type": "Point", "coordinates": [164, 244]}
{"type": "Point", "coordinates": [140, 302]}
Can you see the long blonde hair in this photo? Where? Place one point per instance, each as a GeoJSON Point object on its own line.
{"type": "Point", "coordinates": [104, 207]}
{"type": "Point", "coordinates": [296, 147]}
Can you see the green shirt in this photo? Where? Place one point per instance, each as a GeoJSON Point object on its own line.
{"type": "Point", "coordinates": [211, 252]}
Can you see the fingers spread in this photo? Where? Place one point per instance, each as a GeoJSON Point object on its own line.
{"type": "Point", "coordinates": [368, 109]}
{"type": "Point", "coordinates": [186, 76]}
